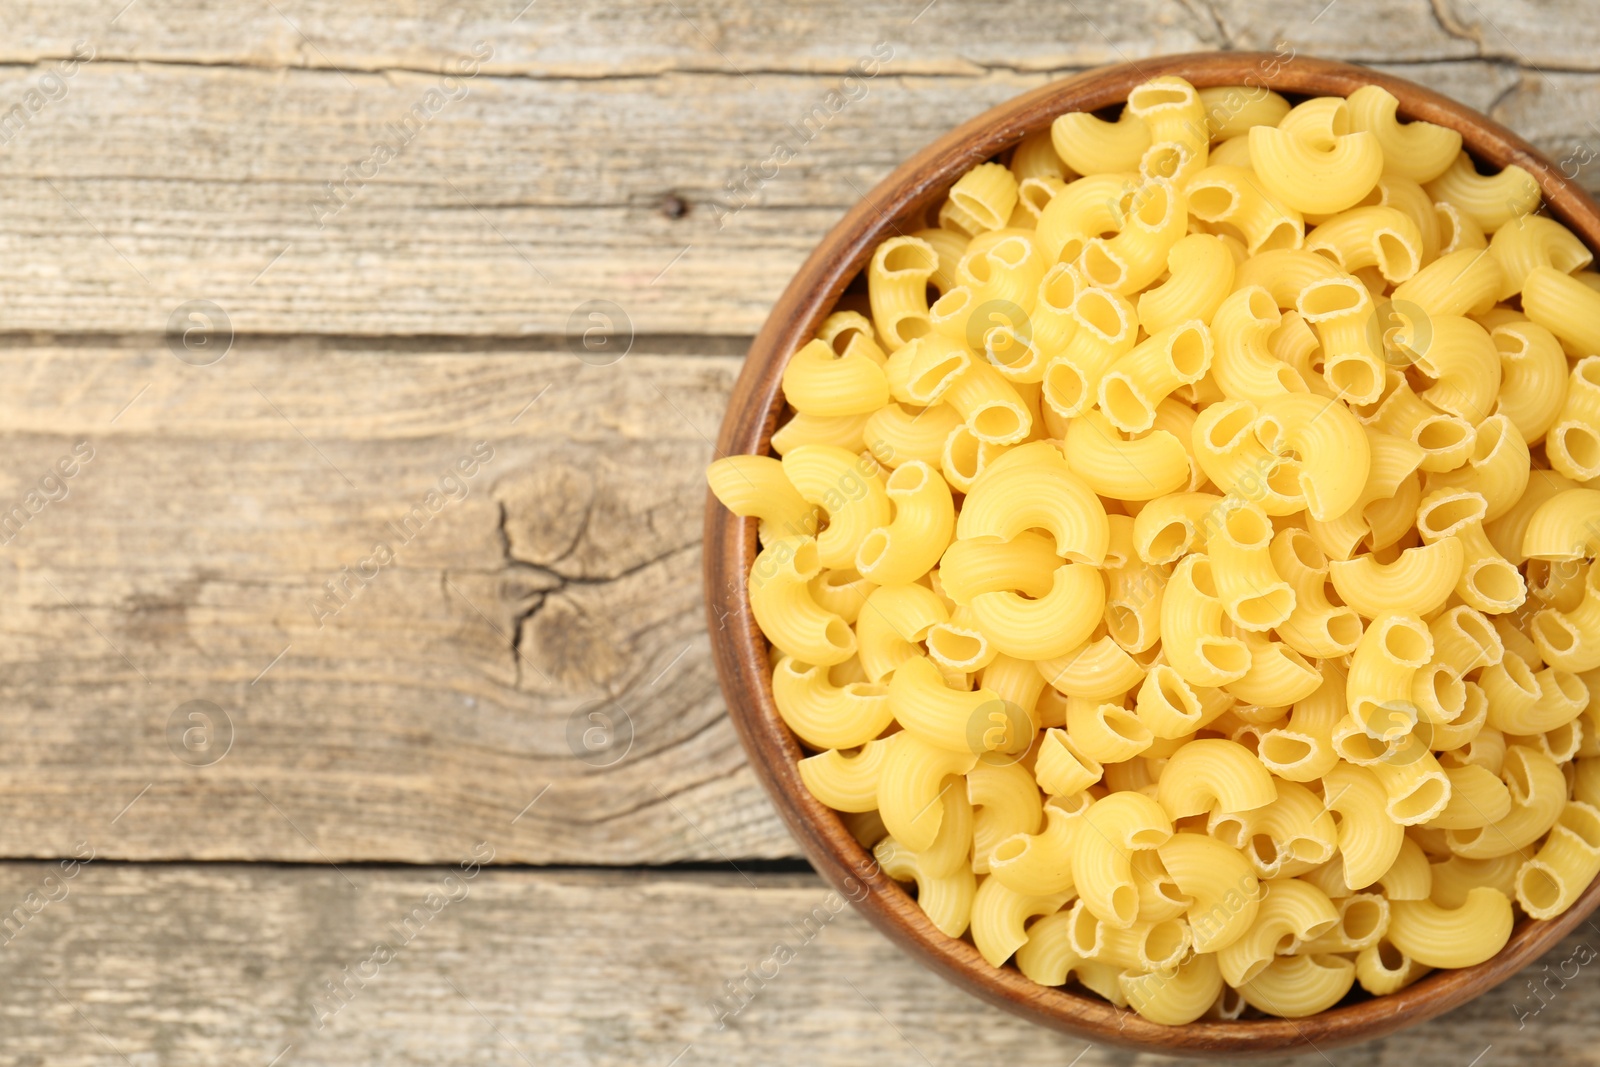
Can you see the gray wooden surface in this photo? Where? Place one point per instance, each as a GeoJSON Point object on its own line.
{"type": "Point", "coordinates": [364, 352]}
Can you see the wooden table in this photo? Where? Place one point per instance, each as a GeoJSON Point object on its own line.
{"type": "Point", "coordinates": [284, 788]}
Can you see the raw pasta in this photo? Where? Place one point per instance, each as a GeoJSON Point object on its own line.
{"type": "Point", "coordinates": [1218, 625]}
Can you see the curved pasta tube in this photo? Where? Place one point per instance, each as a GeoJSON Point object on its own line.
{"type": "Point", "coordinates": [1341, 309]}
{"type": "Point", "coordinates": [1224, 888]}
{"type": "Point", "coordinates": [1447, 441]}
{"type": "Point", "coordinates": [1106, 326]}
{"type": "Point", "coordinates": [1410, 877]}
{"type": "Point", "coordinates": [1139, 468]}
{"type": "Point", "coordinates": [1036, 157]}
{"type": "Point", "coordinates": [1091, 145]}
{"type": "Point", "coordinates": [1489, 200]}
{"type": "Point", "coordinates": [1334, 450]}
{"type": "Point", "coordinates": [1498, 469]}
{"type": "Point", "coordinates": [1477, 797]}
{"type": "Point", "coordinates": [1096, 670]}
{"type": "Point", "coordinates": [925, 369]}
{"type": "Point", "coordinates": [1196, 642]}
{"type": "Point", "coordinates": [1049, 957]}
{"type": "Point", "coordinates": [1533, 376]}
{"type": "Point", "coordinates": [1006, 802]}
{"type": "Point", "coordinates": [924, 520]}
{"type": "Point", "coordinates": [1383, 969]}
{"type": "Point", "coordinates": [844, 431]}
{"type": "Point", "coordinates": [1137, 382]}
{"type": "Point", "coordinates": [1313, 162]}
{"type": "Point", "coordinates": [1170, 527]}
{"type": "Point", "coordinates": [1565, 864]}
{"type": "Point", "coordinates": [1285, 273]}
{"type": "Point", "coordinates": [1289, 909]}
{"type": "Point", "coordinates": [1200, 275]}
{"type": "Point", "coordinates": [1315, 626]}
{"type": "Point", "coordinates": [1133, 595]}
{"type": "Point", "coordinates": [1287, 837]}
{"type": "Point", "coordinates": [1212, 774]}
{"type": "Point", "coordinates": [1570, 640]}
{"type": "Point", "coordinates": [845, 782]}
{"type": "Point", "coordinates": [899, 436]}
{"type": "Point", "coordinates": [897, 284]}
{"type": "Point", "coordinates": [948, 246]}
{"type": "Point", "coordinates": [848, 489]}
{"type": "Point", "coordinates": [1564, 526]}
{"type": "Point", "coordinates": [1146, 946]}
{"type": "Point", "coordinates": [1108, 733]}
{"type": "Point", "coordinates": [1457, 283]}
{"type": "Point", "coordinates": [1032, 487]}
{"type": "Point", "coordinates": [1061, 768]}
{"type": "Point", "coordinates": [958, 646]}
{"type": "Point", "coordinates": [1573, 444]}
{"type": "Point", "coordinates": [1178, 998]}
{"type": "Point", "coordinates": [1086, 208]}
{"type": "Point", "coordinates": [1419, 151]}
{"type": "Point", "coordinates": [1278, 675]}
{"type": "Point", "coordinates": [952, 846]}
{"type": "Point", "coordinates": [1462, 360]}
{"type": "Point", "coordinates": [1051, 626]}
{"type": "Point", "coordinates": [1244, 367]}
{"type": "Point", "coordinates": [1026, 562]}
{"type": "Point", "coordinates": [1417, 583]}
{"type": "Point", "coordinates": [1228, 450]}
{"type": "Point", "coordinates": [1535, 242]}
{"type": "Point", "coordinates": [1157, 217]}
{"type": "Point", "coordinates": [1167, 705]}
{"type": "Point", "coordinates": [1235, 196]}
{"type": "Point", "coordinates": [1362, 237]}
{"type": "Point", "coordinates": [825, 715]}
{"type": "Point", "coordinates": [999, 916]}
{"type": "Point", "coordinates": [911, 784]}
{"type": "Point", "coordinates": [1101, 865]}
{"type": "Point", "coordinates": [1302, 749]}
{"type": "Point", "coordinates": [1452, 937]}
{"type": "Point", "coordinates": [1412, 199]}
{"type": "Point", "coordinates": [1248, 584]}
{"type": "Point", "coordinates": [785, 610]}
{"type": "Point", "coordinates": [950, 719]}
{"type": "Point", "coordinates": [1538, 793]}
{"type": "Point", "coordinates": [893, 620]}
{"type": "Point", "coordinates": [1039, 864]}
{"type": "Point", "coordinates": [1379, 691]}
{"type": "Point", "coordinates": [1369, 841]}
{"type": "Point", "coordinates": [1488, 581]}
{"type": "Point", "coordinates": [819, 381]}
{"type": "Point", "coordinates": [986, 194]}
{"type": "Point", "coordinates": [1231, 110]}
{"type": "Point", "coordinates": [1294, 987]}
{"type": "Point", "coordinates": [947, 900]}
{"type": "Point", "coordinates": [756, 487]}
{"type": "Point", "coordinates": [1417, 788]}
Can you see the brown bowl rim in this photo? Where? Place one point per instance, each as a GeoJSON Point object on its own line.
{"type": "Point", "coordinates": [739, 649]}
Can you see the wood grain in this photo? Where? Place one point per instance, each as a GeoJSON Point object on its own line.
{"type": "Point", "coordinates": [175, 171]}
{"type": "Point", "coordinates": [742, 652]}
{"type": "Point", "coordinates": [188, 554]}
{"type": "Point", "coordinates": [221, 964]}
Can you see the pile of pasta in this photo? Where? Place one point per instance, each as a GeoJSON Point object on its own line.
{"type": "Point", "coordinates": [1180, 559]}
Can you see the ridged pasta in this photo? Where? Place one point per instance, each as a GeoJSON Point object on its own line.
{"type": "Point", "coordinates": [1178, 563]}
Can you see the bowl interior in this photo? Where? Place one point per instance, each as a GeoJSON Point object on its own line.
{"type": "Point", "coordinates": [896, 205]}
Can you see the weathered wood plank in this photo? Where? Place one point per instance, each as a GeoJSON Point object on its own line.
{"type": "Point", "coordinates": [400, 721]}
{"type": "Point", "coordinates": [151, 184]}
{"type": "Point", "coordinates": [228, 964]}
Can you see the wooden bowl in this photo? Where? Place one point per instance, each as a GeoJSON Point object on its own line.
{"type": "Point", "coordinates": [740, 650]}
